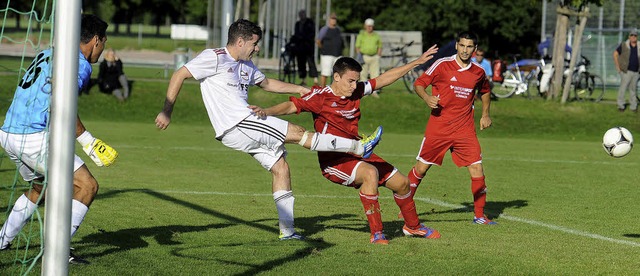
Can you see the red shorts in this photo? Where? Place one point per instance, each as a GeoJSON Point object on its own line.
{"type": "Point", "coordinates": [342, 170]}
{"type": "Point", "coordinates": [465, 150]}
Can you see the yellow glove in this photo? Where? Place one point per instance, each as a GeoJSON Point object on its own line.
{"type": "Point", "coordinates": [101, 153]}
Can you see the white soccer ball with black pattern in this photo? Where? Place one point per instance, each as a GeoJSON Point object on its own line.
{"type": "Point", "coordinates": [617, 141]}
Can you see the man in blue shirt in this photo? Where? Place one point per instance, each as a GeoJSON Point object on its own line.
{"type": "Point", "coordinates": [24, 136]}
{"type": "Point", "coordinates": [480, 59]}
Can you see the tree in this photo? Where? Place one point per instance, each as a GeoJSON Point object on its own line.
{"type": "Point", "coordinates": [566, 9]}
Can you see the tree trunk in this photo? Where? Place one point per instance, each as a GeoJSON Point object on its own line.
{"type": "Point", "coordinates": [577, 41]}
{"type": "Point", "coordinates": [560, 41]}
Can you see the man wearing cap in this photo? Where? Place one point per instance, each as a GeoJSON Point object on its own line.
{"type": "Point", "coordinates": [369, 45]}
{"type": "Point", "coordinates": [627, 60]}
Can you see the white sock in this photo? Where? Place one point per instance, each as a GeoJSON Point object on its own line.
{"type": "Point", "coordinates": [20, 214]}
{"type": "Point", "coordinates": [78, 211]}
{"type": "Point", "coordinates": [328, 142]}
{"type": "Point", "coordinates": [284, 203]}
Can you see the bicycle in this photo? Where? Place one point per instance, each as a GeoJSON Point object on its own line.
{"type": "Point", "coordinates": [287, 68]}
{"type": "Point", "coordinates": [516, 81]}
{"type": "Point", "coordinates": [410, 77]}
{"type": "Point", "coordinates": [586, 86]}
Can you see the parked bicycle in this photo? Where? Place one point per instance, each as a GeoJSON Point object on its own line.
{"type": "Point", "coordinates": [287, 68]}
{"type": "Point", "coordinates": [586, 86]}
{"type": "Point", "coordinates": [518, 77]}
{"type": "Point", "coordinates": [410, 77]}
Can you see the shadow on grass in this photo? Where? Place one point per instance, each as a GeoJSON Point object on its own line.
{"type": "Point", "coordinates": [132, 238]}
{"type": "Point", "coordinates": [632, 235]}
{"type": "Point", "coordinates": [493, 209]}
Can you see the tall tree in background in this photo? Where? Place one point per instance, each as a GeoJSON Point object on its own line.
{"type": "Point", "coordinates": [578, 9]}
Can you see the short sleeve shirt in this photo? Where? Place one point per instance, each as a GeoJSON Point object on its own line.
{"type": "Point", "coordinates": [456, 86]}
{"type": "Point", "coordinates": [224, 83]}
{"type": "Point", "coordinates": [334, 114]}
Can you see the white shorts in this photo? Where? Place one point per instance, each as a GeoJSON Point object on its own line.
{"type": "Point", "coordinates": [30, 153]}
{"type": "Point", "coordinates": [326, 64]}
{"type": "Point", "coordinates": [261, 138]}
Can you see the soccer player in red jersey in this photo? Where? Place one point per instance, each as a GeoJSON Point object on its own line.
{"type": "Point", "coordinates": [336, 110]}
{"type": "Point", "coordinates": [454, 81]}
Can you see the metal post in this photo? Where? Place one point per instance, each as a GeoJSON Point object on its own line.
{"type": "Point", "coordinates": [62, 138]}
{"type": "Point", "coordinates": [543, 30]}
{"type": "Point", "coordinates": [226, 21]}
{"type": "Point", "coordinates": [209, 26]}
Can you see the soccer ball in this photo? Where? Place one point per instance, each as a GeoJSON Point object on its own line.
{"type": "Point", "coordinates": [617, 141]}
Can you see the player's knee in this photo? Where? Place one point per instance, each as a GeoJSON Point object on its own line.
{"type": "Point", "coordinates": [280, 168]}
{"type": "Point", "coordinates": [295, 133]}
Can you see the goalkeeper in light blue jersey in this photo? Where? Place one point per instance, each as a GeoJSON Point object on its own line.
{"type": "Point", "coordinates": [24, 136]}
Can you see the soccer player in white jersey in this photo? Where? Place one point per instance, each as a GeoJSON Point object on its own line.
{"type": "Point", "coordinates": [225, 75]}
{"type": "Point", "coordinates": [25, 134]}
{"type": "Point", "coordinates": [336, 110]}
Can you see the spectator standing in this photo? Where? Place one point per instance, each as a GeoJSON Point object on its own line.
{"type": "Point", "coordinates": [369, 45]}
{"type": "Point", "coordinates": [627, 60]}
{"type": "Point", "coordinates": [330, 43]}
{"type": "Point", "coordinates": [303, 37]}
{"type": "Point", "coordinates": [111, 77]}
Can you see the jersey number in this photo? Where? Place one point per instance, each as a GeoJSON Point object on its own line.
{"type": "Point", "coordinates": [33, 71]}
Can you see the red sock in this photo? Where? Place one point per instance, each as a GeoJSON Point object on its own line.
{"type": "Point", "coordinates": [414, 181]}
{"type": "Point", "coordinates": [372, 210]}
{"type": "Point", "coordinates": [408, 209]}
{"type": "Point", "coordinates": [479, 190]}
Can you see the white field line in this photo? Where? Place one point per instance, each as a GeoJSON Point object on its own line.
{"type": "Point", "coordinates": [439, 203]}
{"type": "Point", "coordinates": [616, 162]}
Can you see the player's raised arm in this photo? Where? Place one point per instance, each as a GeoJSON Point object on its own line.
{"type": "Point", "coordinates": [395, 73]}
{"type": "Point", "coordinates": [175, 84]}
{"type": "Point", "coordinates": [277, 86]}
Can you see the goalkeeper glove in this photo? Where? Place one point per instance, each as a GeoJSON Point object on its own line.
{"type": "Point", "coordinates": [101, 153]}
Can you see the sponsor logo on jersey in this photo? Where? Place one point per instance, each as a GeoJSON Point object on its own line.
{"type": "Point", "coordinates": [461, 92]}
{"type": "Point", "coordinates": [347, 113]}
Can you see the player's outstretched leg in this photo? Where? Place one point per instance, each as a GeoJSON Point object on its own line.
{"type": "Point", "coordinates": [371, 141]}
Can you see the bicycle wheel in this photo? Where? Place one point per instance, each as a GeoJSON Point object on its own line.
{"type": "Point", "coordinates": [287, 68]}
{"type": "Point", "coordinates": [597, 88]}
{"type": "Point", "coordinates": [583, 87]}
{"type": "Point", "coordinates": [409, 79]}
{"type": "Point", "coordinates": [293, 69]}
{"type": "Point", "coordinates": [282, 67]}
{"type": "Point", "coordinates": [507, 87]}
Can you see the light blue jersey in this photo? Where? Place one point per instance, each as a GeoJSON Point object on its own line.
{"type": "Point", "coordinates": [29, 111]}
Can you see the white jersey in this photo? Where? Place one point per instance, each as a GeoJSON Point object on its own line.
{"type": "Point", "coordinates": [224, 83]}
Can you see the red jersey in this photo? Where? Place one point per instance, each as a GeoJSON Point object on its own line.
{"type": "Point", "coordinates": [456, 86]}
{"type": "Point", "coordinates": [334, 114]}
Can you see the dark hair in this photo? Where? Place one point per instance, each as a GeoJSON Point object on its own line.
{"type": "Point", "coordinates": [91, 26]}
{"type": "Point", "coordinates": [468, 35]}
{"type": "Point", "coordinates": [346, 63]}
{"type": "Point", "coordinates": [244, 29]}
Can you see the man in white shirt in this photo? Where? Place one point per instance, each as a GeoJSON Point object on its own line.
{"type": "Point", "coordinates": [225, 75]}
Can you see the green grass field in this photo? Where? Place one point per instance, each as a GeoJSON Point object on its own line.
{"type": "Point", "coordinates": [177, 202]}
